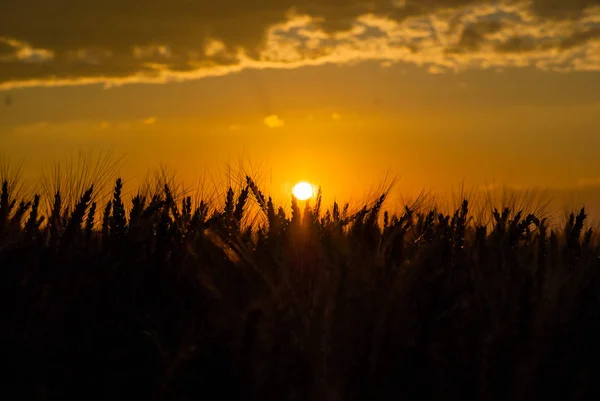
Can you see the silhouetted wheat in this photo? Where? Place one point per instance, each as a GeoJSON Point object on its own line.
{"type": "Point", "coordinates": [175, 300]}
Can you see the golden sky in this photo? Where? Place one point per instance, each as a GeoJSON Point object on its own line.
{"type": "Point", "coordinates": [339, 93]}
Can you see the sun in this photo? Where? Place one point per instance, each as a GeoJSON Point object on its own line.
{"type": "Point", "coordinates": [303, 191]}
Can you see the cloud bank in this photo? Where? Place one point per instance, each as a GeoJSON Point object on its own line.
{"type": "Point", "coordinates": [69, 42]}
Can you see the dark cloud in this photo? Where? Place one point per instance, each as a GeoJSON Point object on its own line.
{"type": "Point", "coordinates": [118, 24]}
{"type": "Point", "coordinates": [525, 43]}
{"type": "Point", "coordinates": [474, 34]}
{"type": "Point", "coordinates": [580, 37]}
{"type": "Point", "coordinates": [518, 44]}
{"type": "Point", "coordinates": [5, 49]}
{"type": "Point", "coordinates": [562, 8]}
{"type": "Point", "coordinates": [18, 71]}
{"type": "Point", "coordinates": [71, 39]}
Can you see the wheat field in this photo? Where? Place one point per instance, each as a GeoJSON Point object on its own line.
{"type": "Point", "coordinates": [165, 297]}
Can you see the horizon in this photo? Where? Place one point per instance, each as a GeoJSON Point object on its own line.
{"type": "Point", "coordinates": [80, 170]}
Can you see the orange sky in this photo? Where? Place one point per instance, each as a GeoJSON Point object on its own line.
{"type": "Point", "coordinates": [339, 93]}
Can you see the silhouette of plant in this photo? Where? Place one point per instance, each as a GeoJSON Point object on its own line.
{"type": "Point", "coordinates": [171, 299]}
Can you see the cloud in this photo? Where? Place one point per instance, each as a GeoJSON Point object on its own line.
{"type": "Point", "coordinates": [474, 35]}
{"type": "Point", "coordinates": [336, 116]}
{"type": "Point", "coordinates": [560, 9]}
{"type": "Point", "coordinates": [12, 50]}
{"type": "Point", "coordinates": [273, 121]}
{"type": "Point", "coordinates": [150, 120]}
{"type": "Point", "coordinates": [115, 42]}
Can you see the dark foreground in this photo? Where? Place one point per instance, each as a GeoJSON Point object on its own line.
{"type": "Point", "coordinates": [166, 301]}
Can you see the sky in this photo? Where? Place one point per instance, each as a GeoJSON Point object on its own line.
{"type": "Point", "coordinates": [437, 93]}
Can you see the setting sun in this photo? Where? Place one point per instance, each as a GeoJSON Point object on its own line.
{"type": "Point", "coordinates": [303, 191]}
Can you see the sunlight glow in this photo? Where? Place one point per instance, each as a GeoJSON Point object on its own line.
{"type": "Point", "coordinates": [303, 191]}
